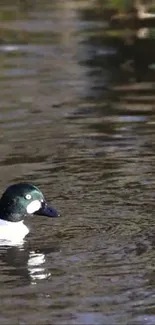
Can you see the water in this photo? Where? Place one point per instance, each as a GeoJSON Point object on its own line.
{"type": "Point", "coordinates": [79, 126]}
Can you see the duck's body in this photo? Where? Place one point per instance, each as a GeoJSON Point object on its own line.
{"type": "Point", "coordinates": [10, 229]}
{"type": "Point", "coordinates": [17, 202]}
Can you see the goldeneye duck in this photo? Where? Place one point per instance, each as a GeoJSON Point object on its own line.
{"type": "Point", "coordinates": [17, 202]}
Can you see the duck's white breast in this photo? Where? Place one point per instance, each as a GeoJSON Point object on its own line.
{"type": "Point", "coordinates": [12, 230]}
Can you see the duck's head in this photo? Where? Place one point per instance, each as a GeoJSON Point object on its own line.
{"type": "Point", "coordinates": [20, 200]}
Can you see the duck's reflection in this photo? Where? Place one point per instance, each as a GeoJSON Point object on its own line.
{"type": "Point", "coordinates": [36, 266]}
{"type": "Point", "coordinates": [21, 263]}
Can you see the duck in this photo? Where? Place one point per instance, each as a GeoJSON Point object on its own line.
{"type": "Point", "coordinates": [17, 202]}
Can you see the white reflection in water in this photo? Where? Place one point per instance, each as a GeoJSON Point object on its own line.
{"type": "Point", "coordinates": [28, 263]}
{"type": "Point", "coordinates": [35, 267]}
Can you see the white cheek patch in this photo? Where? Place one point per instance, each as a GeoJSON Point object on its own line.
{"type": "Point", "coordinates": [33, 206]}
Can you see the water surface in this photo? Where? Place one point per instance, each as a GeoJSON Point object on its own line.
{"type": "Point", "coordinates": [79, 126]}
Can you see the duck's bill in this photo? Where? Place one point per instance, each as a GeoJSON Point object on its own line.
{"type": "Point", "coordinates": [47, 211]}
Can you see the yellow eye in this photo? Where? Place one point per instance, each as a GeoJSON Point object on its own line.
{"type": "Point", "coordinates": [28, 196]}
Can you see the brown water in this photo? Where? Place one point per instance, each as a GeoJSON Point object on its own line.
{"type": "Point", "coordinates": [74, 123]}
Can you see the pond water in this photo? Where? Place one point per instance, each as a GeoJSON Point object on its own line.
{"type": "Point", "coordinates": [79, 126]}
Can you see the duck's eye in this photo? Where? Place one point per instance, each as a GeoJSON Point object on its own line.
{"type": "Point", "coordinates": [28, 196]}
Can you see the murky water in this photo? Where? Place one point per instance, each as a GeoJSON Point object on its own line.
{"type": "Point", "coordinates": [77, 125]}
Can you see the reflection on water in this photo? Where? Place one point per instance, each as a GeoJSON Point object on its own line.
{"type": "Point", "coordinates": [35, 267]}
{"type": "Point", "coordinates": [77, 119]}
{"type": "Point", "coordinates": [28, 265]}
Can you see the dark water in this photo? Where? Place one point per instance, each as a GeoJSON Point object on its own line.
{"type": "Point", "coordinates": [79, 126]}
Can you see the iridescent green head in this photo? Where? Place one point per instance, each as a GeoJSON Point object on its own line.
{"type": "Point", "coordinates": [23, 199]}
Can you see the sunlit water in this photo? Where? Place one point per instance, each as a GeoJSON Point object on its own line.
{"type": "Point", "coordinates": [74, 124]}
